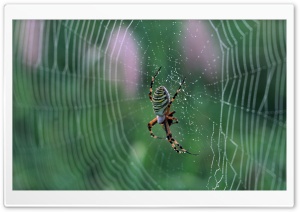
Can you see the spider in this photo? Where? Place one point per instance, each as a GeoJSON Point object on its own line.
{"type": "Point", "coordinates": [161, 105]}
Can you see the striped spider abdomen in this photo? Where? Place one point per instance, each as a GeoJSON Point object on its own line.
{"type": "Point", "coordinates": [160, 100]}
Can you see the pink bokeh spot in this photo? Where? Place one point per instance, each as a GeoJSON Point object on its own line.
{"type": "Point", "coordinates": [201, 48]}
{"type": "Point", "coordinates": [30, 40]}
{"type": "Point", "coordinates": [124, 53]}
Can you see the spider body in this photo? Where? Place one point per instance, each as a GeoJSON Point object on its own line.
{"type": "Point", "coordinates": [161, 103]}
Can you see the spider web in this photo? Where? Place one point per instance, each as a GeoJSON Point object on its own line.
{"type": "Point", "coordinates": [81, 106]}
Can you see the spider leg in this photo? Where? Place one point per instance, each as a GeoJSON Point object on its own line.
{"type": "Point", "coordinates": [171, 120]}
{"type": "Point", "coordinates": [175, 145]}
{"type": "Point", "coordinates": [170, 117]}
{"type": "Point", "coordinates": [172, 100]}
{"type": "Point", "coordinates": [172, 113]}
{"type": "Point", "coordinates": [152, 81]}
{"type": "Point", "coordinates": [150, 125]}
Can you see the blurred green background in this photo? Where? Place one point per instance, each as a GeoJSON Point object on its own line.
{"type": "Point", "coordinates": [81, 106]}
